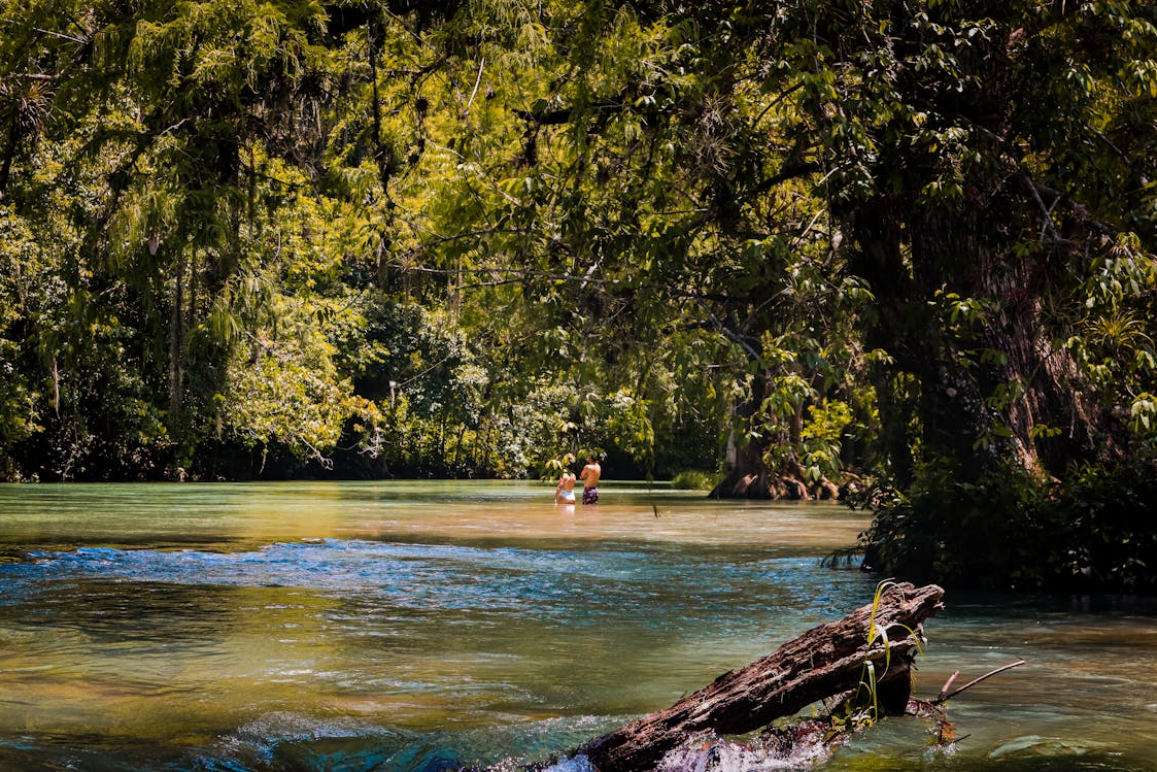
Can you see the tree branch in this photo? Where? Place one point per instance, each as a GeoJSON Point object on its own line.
{"type": "Point", "coordinates": [1079, 209]}
{"type": "Point", "coordinates": [945, 697]}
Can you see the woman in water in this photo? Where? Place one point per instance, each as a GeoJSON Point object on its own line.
{"type": "Point", "coordinates": [564, 493]}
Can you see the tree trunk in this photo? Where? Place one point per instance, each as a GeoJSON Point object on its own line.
{"type": "Point", "coordinates": [1055, 395]}
{"type": "Point", "coordinates": [9, 152]}
{"type": "Point", "coordinates": [826, 661]}
{"type": "Point", "coordinates": [176, 349]}
{"type": "Point", "coordinates": [992, 385]}
{"type": "Point", "coordinates": [747, 476]}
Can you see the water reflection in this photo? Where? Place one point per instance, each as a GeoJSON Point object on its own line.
{"type": "Point", "coordinates": [424, 626]}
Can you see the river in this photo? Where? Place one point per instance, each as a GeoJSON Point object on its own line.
{"type": "Point", "coordinates": [406, 626]}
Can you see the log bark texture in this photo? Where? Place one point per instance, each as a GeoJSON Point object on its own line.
{"type": "Point", "coordinates": [826, 661]}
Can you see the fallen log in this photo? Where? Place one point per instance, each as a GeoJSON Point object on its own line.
{"type": "Point", "coordinates": [826, 662]}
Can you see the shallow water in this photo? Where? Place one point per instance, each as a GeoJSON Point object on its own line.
{"type": "Point", "coordinates": [424, 626]}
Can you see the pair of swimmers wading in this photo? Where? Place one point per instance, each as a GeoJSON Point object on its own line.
{"type": "Point", "coordinates": [590, 474]}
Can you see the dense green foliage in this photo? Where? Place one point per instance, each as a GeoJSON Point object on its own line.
{"type": "Point", "coordinates": [914, 239]}
{"type": "Point", "coordinates": [1015, 530]}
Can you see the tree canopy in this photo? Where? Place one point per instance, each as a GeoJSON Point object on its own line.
{"type": "Point", "coordinates": [909, 240]}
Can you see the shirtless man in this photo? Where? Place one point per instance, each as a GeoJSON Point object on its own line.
{"type": "Point", "coordinates": [590, 476]}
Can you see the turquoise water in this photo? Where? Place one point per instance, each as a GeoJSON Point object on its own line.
{"type": "Point", "coordinates": [426, 626]}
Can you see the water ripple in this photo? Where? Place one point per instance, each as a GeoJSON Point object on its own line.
{"type": "Point", "coordinates": [452, 577]}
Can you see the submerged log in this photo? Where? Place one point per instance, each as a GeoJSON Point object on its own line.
{"type": "Point", "coordinates": [826, 662]}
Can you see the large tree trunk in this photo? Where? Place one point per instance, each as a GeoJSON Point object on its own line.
{"type": "Point", "coordinates": [826, 661]}
{"type": "Point", "coordinates": [747, 475]}
{"type": "Point", "coordinates": [1055, 396]}
{"type": "Point", "coordinates": [991, 386]}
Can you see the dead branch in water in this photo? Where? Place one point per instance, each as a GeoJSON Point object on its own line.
{"type": "Point", "coordinates": [945, 695]}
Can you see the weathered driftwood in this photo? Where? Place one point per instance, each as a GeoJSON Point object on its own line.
{"type": "Point", "coordinates": [825, 662]}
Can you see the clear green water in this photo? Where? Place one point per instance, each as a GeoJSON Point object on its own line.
{"type": "Point", "coordinates": [423, 626]}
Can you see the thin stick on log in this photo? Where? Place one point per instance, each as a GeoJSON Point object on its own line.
{"type": "Point", "coordinates": [945, 697]}
{"type": "Point", "coordinates": [947, 685]}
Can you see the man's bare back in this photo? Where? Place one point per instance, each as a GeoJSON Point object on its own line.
{"type": "Point", "coordinates": [590, 476]}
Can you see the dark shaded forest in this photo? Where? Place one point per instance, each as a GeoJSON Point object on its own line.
{"type": "Point", "coordinates": [900, 249]}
